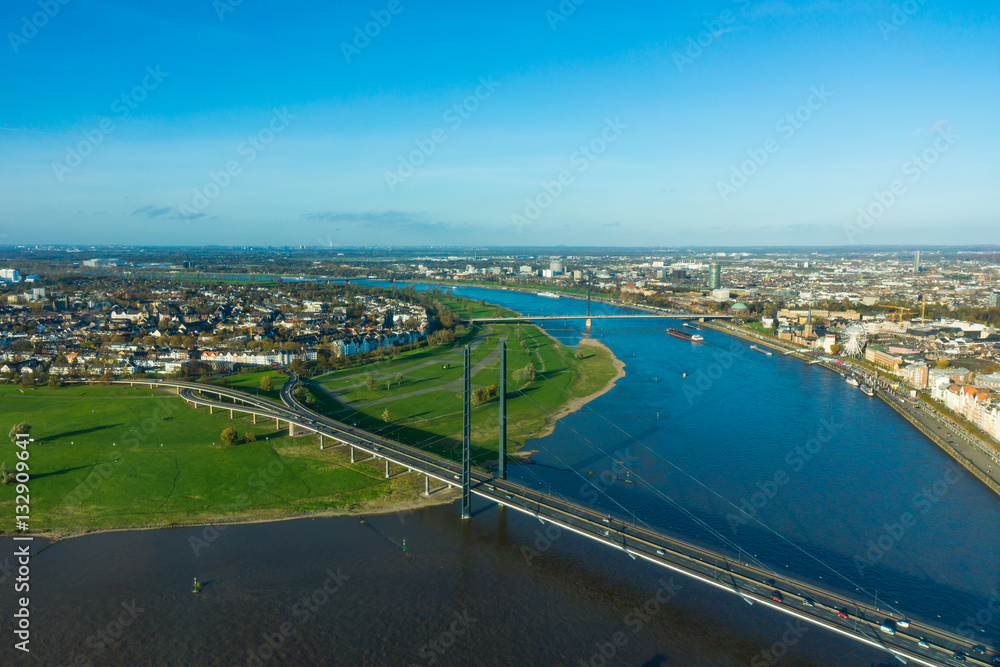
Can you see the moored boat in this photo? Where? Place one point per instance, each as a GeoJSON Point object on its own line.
{"type": "Point", "coordinates": [852, 381]}
{"type": "Point", "coordinates": [867, 391]}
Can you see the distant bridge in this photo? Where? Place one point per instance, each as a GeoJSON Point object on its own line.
{"type": "Point", "coordinates": [644, 316]}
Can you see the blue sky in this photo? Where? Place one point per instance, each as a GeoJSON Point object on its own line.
{"type": "Point", "coordinates": [517, 123]}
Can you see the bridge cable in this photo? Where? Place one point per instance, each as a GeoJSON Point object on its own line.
{"type": "Point", "coordinates": [712, 491]}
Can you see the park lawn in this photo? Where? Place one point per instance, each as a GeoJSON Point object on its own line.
{"type": "Point", "coordinates": [432, 419]}
{"type": "Point", "coordinates": [759, 328]}
{"type": "Point", "coordinates": [250, 383]}
{"type": "Point", "coordinates": [431, 372]}
{"type": "Point", "coordinates": [116, 457]}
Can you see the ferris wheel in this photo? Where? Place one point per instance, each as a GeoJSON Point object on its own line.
{"type": "Point", "coordinates": [853, 339]}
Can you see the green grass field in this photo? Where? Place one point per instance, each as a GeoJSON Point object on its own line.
{"type": "Point", "coordinates": [110, 457]}
{"type": "Point", "coordinates": [424, 392]}
{"type": "Point", "coordinates": [250, 383]}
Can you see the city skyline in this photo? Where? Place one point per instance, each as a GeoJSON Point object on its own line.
{"type": "Point", "coordinates": [224, 124]}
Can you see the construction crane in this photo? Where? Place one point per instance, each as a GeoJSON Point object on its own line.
{"type": "Point", "coordinates": [901, 310]}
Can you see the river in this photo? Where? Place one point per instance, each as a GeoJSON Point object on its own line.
{"type": "Point", "coordinates": [829, 475]}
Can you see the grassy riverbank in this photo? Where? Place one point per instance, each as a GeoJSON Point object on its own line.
{"type": "Point", "coordinates": [107, 458]}
{"type": "Point", "coordinates": [117, 457]}
{"type": "Point", "coordinates": [417, 399]}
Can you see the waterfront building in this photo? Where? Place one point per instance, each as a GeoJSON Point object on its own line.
{"type": "Point", "coordinates": [880, 357]}
{"type": "Point", "coordinates": [917, 375]}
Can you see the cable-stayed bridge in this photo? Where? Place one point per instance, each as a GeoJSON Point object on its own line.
{"type": "Point", "coordinates": [858, 618]}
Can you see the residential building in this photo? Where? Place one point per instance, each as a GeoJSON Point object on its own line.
{"type": "Point", "coordinates": [917, 375]}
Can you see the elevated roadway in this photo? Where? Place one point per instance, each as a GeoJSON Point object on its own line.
{"type": "Point", "coordinates": [909, 640]}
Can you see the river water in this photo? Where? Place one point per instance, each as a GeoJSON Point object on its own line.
{"type": "Point", "coordinates": [834, 486]}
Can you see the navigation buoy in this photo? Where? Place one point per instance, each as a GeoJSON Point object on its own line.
{"type": "Point", "coordinates": [197, 586]}
{"type": "Point", "coordinates": [684, 374]}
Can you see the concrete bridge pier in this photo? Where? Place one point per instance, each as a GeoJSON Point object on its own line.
{"type": "Point", "coordinates": [211, 409]}
{"type": "Point", "coordinates": [277, 423]}
{"type": "Point", "coordinates": [352, 455]}
{"type": "Point", "coordinates": [427, 486]}
{"type": "Point", "coordinates": [254, 415]}
{"type": "Point", "coordinates": [291, 428]}
{"type": "Point", "coordinates": [387, 469]}
{"type": "Point", "coordinates": [230, 413]}
{"type": "Point", "coordinates": [589, 323]}
{"type": "Point", "coordinates": [321, 442]}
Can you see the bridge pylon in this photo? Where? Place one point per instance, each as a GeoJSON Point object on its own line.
{"type": "Point", "coordinates": [467, 439]}
{"type": "Point", "coordinates": [502, 468]}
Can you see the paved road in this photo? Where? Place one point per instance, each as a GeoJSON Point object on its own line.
{"type": "Point", "coordinates": [752, 581]}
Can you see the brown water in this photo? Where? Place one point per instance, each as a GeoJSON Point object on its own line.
{"type": "Point", "coordinates": [463, 593]}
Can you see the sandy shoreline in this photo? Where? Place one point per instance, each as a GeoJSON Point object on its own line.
{"type": "Point", "coordinates": [441, 497]}
{"type": "Point", "coordinates": [576, 403]}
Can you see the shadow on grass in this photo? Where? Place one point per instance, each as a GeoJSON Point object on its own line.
{"type": "Point", "coordinates": [66, 470]}
{"type": "Point", "coordinates": [82, 431]}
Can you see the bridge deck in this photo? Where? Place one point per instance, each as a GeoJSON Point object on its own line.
{"type": "Point", "coordinates": [646, 316]}
{"type": "Point", "coordinates": [805, 601]}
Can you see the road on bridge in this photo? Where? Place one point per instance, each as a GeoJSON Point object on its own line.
{"type": "Point", "coordinates": [907, 639]}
